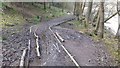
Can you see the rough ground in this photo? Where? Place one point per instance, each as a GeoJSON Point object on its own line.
{"type": "Point", "coordinates": [84, 50]}
{"type": "Point", "coordinates": [14, 41]}
{"type": "Point", "coordinates": [50, 55]}
{"type": "Point", "coordinates": [51, 52]}
{"type": "Point", "coordinates": [82, 47]}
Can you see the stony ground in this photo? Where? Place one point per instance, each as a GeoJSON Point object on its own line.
{"type": "Point", "coordinates": [82, 47]}
{"type": "Point", "coordinates": [14, 41]}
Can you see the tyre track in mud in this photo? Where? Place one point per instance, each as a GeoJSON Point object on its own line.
{"type": "Point", "coordinates": [93, 58]}
{"type": "Point", "coordinates": [86, 51]}
{"type": "Point", "coordinates": [51, 52]}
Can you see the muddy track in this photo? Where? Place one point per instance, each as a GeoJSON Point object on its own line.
{"type": "Point", "coordinates": [68, 53]}
{"type": "Point", "coordinates": [44, 49]}
{"type": "Point", "coordinates": [86, 51]}
{"type": "Point", "coordinates": [47, 49]}
{"type": "Point", "coordinates": [80, 47]}
{"type": "Point", "coordinates": [16, 41]}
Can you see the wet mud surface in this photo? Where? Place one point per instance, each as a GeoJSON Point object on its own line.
{"type": "Point", "coordinates": [85, 51]}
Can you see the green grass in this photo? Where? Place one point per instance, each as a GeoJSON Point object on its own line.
{"type": "Point", "coordinates": [11, 18]}
{"type": "Point", "coordinates": [79, 26]}
{"type": "Point", "coordinates": [36, 19]}
{"type": "Point", "coordinates": [49, 13]}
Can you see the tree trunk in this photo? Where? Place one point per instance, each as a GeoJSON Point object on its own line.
{"type": "Point", "coordinates": [44, 6]}
{"type": "Point", "coordinates": [98, 23]}
{"type": "Point", "coordinates": [118, 31]}
{"type": "Point", "coordinates": [83, 7]}
{"type": "Point", "coordinates": [96, 15]}
{"type": "Point", "coordinates": [80, 11]}
{"type": "Point", "coordinates": [118, 7]}
{"type": "Point", "coordinates": [117, 34]}
{"type": "Point", "coordinates": [75, 9]}
{"type": "Point", "coordinates": [49, 5]}
{"type": "Point", "coordinates": [118, 37]}
{"type": "Point", "coordinates": [112, 16]}
{"type": "Point", "coordinates": [88, 14]}
{"type": "Point", "coordinates": [64, 6]}
{"type": "Point", "coordinates": [101, 35]}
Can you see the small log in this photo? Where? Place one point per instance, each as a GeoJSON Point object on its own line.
{"type": "Point", "coordinates": [31, 29]}
{"type": "Point", "coordinates": [59, 37]}
{"type": "Point", "coordinates": [37, 45]}
{"type": "Point", "coordinates": [23, 57]}
{"type": "Point", "coordinates": [71, 57]}
{"type": "Point", "coordinates": [28, 54]}
{"type": "Point", "coordinates": [35, 34]}
{"type": "Point", "coordinates": [37, 48]}
{"type": "Point", "coordinates": [29, 45]}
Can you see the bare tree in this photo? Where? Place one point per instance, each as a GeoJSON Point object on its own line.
{"type": "Point", "coordinates": [118, 7]}
{"type": "Point", "coordinates": [44, 5]}
{"type": "Point", "coordinates": [81, 8]}
{"type": "Point", "coordinates": [78, 9]}
{"type": "Point", "coordinates": [88, 13]}
{"type": "Point", "coordinates": [101, 20]}
{"type": "Point", "coordinates": [118, 31]}
{"type": "Point", "coordinates": [98, 22]}
{"type": "Point", "coordinates": [112, 16]}
{"type": "Point", "coordinates": [96, 15]}
{"type": "Point", "coordinates": [75, 5]}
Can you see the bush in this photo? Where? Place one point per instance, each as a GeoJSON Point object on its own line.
{"type": "Point", "coordinates": [37, 19]}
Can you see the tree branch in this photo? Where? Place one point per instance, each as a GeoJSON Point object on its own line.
{"type": "Point", "coordinates": [112, 16]}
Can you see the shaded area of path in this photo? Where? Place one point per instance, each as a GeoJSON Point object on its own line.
{"type": "Point", "coordinates": [49, 46]}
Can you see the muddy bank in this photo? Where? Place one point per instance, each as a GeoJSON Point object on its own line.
{"type": "Point", "coordinates": [15, 39]}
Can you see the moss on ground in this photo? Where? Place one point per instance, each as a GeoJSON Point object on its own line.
{"type": "Point", "coordinates": [38, 10]}
{"type": "Point", "coordinates": [11, 18]}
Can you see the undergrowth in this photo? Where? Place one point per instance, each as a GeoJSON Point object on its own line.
{"type": "Point", "coordinates": [11, 18]}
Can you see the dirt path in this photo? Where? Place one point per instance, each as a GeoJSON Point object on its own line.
{"type": "Point", "coordinates": [51, 52]}
{"type": "Point", "coordinates": [15, 41]}
{"type": "Point", "coordinates": [84, 49]}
